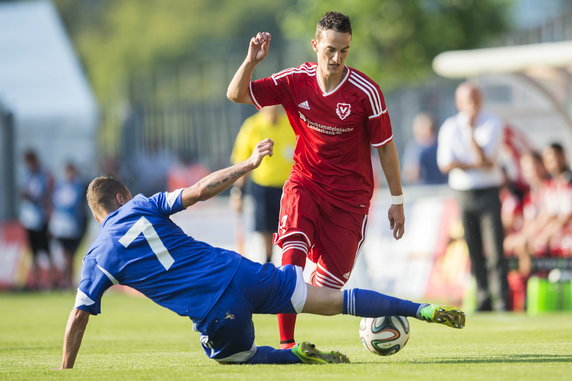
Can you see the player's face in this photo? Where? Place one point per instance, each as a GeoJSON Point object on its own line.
{"type": "Point", "coordinates": [332, 49]}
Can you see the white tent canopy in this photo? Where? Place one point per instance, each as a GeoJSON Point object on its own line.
{"type": "Point", "coordinates": [511, 59]}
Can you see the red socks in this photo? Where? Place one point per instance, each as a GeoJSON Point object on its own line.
{"type": "Point", "coordinates": [294, 251]}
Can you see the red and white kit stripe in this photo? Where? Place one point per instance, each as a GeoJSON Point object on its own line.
{"type": "Point", "coordinates": [371, 92]}
{"type": "Point", "coordinates": [323, 278]}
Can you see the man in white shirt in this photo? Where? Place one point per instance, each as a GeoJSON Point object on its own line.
{"type": "Point", "coordinates": [468, 151]}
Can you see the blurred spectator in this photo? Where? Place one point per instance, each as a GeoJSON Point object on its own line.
{"type": "Point", "coordinates": [35, 208]}
{"type": "Point", "coordinates": [268, 179]}
{"type": "Point", "coordinates": [185, 172]}
{"type": "Point", "coordinates": [468, 151]}
{"type": "Point", "coordinates": [69, 219]}
{"type": "Point", "coordinates": [420, 156]}
{"type": "Point", "coordinates": [553, 239]}
{"type": "Point", "coordinates": [517, 241]}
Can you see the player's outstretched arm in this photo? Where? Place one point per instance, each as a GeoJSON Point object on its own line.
{"type": "Point", "coordinates": [257, 50]}
{"type": "Point", "coordinates": [220, 180]}
{"type": "Point", "coordinates": [75, 328]}
{"type": "Point", "coordinates": [390, 164]}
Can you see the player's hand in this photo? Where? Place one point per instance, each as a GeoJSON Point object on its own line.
{"type": "Point", "coordinates": [258, 47]}
{"type": "Point", "coordinates": [264, 148]}
{"type": "Point", "coordinates": [396, 220]}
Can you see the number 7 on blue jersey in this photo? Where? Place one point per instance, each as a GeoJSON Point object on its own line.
{"type": "Point", "coordinates": [143, 226]}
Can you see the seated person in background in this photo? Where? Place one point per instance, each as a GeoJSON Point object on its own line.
{"type": "Point", "coordinates": [517, 242]}
{"type": "Point", "coordinates": [139, 246]}
{"type": "Point", "coordinates": [557, 221]}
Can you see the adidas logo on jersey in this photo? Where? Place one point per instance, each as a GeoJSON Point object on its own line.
{"type": "Point", "coordinates": [304, 105]}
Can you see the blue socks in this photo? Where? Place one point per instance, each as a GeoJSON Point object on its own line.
{"type": "Point", "coordinates": [269, 355]}
{"type": "Point", "coordinates": [366, 303]}
{"type": "Point", "coordinates": [357, 302]}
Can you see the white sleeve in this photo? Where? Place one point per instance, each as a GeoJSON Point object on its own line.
{"type": "Point", "coordinates": [168, 202]}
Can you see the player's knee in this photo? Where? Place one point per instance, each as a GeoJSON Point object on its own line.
{"type": "Point", "coordinates": [334, 302]}
{"type": "Point", "coordinates": [323, 301]}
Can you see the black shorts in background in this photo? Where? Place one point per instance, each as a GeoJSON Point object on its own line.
{"type": "Point", "coordinates": [69, 245]}
{"type": "Point", "coordinates": [266, 207]}
{"type": "Point", "coordinates": [38, 241]}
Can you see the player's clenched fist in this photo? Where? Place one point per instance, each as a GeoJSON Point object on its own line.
{"type": "Point", "coordinates": [264, 148]}
{"type": "Point", "coordinates": [258, 47]}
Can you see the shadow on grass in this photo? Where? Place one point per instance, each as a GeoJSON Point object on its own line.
{"type": "Point", "coordinates": [511, 358]}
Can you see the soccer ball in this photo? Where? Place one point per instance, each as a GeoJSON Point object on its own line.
{"type": "Point", "coordinates": [384, 336]}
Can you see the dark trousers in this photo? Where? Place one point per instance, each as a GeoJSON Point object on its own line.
{"type": "Point", "coordinates": [481, 216]}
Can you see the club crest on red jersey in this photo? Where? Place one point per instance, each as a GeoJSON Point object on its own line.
{"type": "Point", "coordinates": [343, 110]}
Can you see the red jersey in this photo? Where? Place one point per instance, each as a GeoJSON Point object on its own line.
{"type": "Point", "coordinates": [334, 131]}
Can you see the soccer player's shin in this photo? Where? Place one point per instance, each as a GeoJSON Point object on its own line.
{"type": "Point", "coordinates": [294, 251]}
{"type": "Point", "coordinates": [366, 303]}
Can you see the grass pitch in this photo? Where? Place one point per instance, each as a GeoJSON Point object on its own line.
{"type": "Point", "coordinates": [134, 339]}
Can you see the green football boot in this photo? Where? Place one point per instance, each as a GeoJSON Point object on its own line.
{"type": "Point", "coordinates": [450, 316]}
{"type": "Point", "coordinates": [309, 354]}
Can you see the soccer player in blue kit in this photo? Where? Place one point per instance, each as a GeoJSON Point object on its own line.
{"type": "Point", "coordinates": [141, 247]}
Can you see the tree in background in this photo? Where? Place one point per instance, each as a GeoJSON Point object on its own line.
{"type": "Point", "coordinates": [125, 40]}
{"type": "Point", "coordinates": [169, 53]}
{"type": "Point", "coordinates": [165, 51]}
{"type": "Point", "coordinates": [395, 41]}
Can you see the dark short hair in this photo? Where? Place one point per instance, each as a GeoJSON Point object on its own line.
{"type": "Point", "coordinates": [557, 147]}
{"type": "Point", "coordinates": [334, 21]}
{"type": "Point", "coordinates": [30, 156]}
{"type": "Point", "coordinates": [101, 193]}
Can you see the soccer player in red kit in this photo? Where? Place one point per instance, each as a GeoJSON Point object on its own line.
{"type": "Point", "coordinates": [337, 114]}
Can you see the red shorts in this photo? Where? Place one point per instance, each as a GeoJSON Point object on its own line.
{"type": "Point", "coordinates": [334, 235]}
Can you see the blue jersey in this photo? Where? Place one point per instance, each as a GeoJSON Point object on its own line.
{"type": "Point", "coordinates": [34, 208]}
{"type": "Point", "coordinates": [68, 215]}
{"type": "Point", "coordinates": [139, 246]}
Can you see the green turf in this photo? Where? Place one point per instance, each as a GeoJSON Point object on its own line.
{"type": "Point", "coordinates": [134, 339]}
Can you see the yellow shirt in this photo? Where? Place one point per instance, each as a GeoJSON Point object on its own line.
{"type": "Point", "coordinates": [274, 170]}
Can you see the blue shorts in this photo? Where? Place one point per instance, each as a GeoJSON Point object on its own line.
{"type": "Point", "coordinates": [227, 332]}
